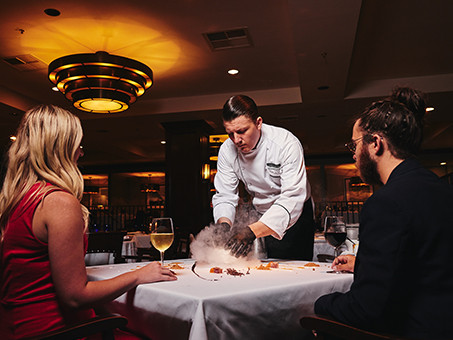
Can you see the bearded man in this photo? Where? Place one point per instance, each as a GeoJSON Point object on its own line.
{"type": "Point", "coordinates": [403, 273]}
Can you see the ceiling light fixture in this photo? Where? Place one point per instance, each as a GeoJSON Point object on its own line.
{"type": "Point", "coordinates": [100, 82]}
{"type": "Point", "coordinates": [429, 109]}
{"type": "Point", "coordinates": [233, 71]}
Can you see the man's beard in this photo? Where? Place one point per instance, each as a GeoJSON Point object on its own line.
{"type": "Point", "coordinates": [368, 169]}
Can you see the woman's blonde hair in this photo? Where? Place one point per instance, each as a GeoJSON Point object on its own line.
{"type": "Point", "coordinates": [46, 142]}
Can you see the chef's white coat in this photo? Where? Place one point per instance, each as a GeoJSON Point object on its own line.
{"type": "Point", "coordinates": [273, 173]}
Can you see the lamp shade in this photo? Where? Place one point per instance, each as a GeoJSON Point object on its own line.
{"type": "Point", "coordinates": [100, 82]}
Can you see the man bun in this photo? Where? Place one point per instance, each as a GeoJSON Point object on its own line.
{"type": "Point", "coordinates": [414, 100]}
{"type": "Point", "coordinates": [399, 118]}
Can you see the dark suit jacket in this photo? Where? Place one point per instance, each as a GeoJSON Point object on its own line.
{"type": "Point", "coordinates": [403, 277]}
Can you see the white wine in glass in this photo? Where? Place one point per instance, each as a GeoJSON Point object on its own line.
{"type": "Point", "coordinates": [162, 235]}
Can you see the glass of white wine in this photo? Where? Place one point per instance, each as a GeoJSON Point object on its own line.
{"type": "Point", "coordinates": [162, 235]}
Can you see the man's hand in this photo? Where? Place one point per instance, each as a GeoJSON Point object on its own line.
{"type": "Point", "coordinates": [344, 263]}
{"type": "Point", "coordinates": [241, 241]}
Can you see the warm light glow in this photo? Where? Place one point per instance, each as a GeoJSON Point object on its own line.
{"type": "Point", "coordinates": [152, 174]}
{"type": "Point", "coordinates": [97, 177]}
{"type": "Point", "coordinates": [217, 138]}
{"type": "Point", "coordinates": [233, 71]}
{"type": "Point", "coordinates": [163, 142]}
{"type": "Point", "coordinates": [214, 158]}
{"type": "Point", "coordinates": [13, 138]}
{"type": "Point", "coordinates": [429, 109]}
{"type": "Point", "coordinates": [129, 34]}
{"type": "Point", "coordinates": [206, 171]}
{"type": "Point", "coordinates": [443, 163]}
{"type": "Point", "coordinates": [55, 89]}
{"type": "Point", "coordinates": [100, 105]}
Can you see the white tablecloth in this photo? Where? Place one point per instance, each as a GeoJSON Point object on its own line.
{"type": "Point", "coordinates": [265, 304]}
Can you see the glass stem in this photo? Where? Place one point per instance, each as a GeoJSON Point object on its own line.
{"type": "Point", "coordinates": [161, 258]}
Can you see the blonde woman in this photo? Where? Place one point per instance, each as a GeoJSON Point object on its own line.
{"type": "Point", "coordinates": [44, 284]}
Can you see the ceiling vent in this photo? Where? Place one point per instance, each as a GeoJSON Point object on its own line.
{"type": "Point", "coordinates": [25, 62]}
{"type": "Point", "coordinates": [233, 38]}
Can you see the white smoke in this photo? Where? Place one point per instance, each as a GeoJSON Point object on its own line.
{"type": "Point", "coordinates": [209, 245]}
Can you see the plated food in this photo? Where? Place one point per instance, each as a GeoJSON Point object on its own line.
{"type": "Point", "coordinates": [269, 266]}
{"type": "Point", "coordinates": [175, 265]}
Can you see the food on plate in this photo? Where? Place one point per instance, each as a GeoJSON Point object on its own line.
{"type": "Point", "coordinates": [268, 266]}
{"type": "Point", "coordinates": [273, 264]}
{"type": "Point", "coordinates": [233, 272]}
{"type": "Point", "coordinates": [263, 267]}
{"type": "Point", "coordinates": [216, 270]}
{"type": "Point", "coordinates": [175, 266]}
{"type": "Point", "coordinates": [311, 264]}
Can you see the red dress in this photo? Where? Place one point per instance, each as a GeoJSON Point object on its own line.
{"type": "Point", "coordinates": [28, 302]}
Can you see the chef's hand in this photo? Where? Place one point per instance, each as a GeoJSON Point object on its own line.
{"type": "Point", "coordinates": [222, 227]}
{"type": "Point", "coordinates": [241, 241]}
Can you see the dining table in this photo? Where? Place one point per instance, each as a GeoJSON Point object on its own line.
{"type": "Point", "coordinates": [258, 300]}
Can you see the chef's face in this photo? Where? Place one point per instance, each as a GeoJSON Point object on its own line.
{"type": "Point", "coordinates": [244, 132]}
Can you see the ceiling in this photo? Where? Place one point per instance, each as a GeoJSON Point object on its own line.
{"type": "Point", "coordinates": [358, 49]}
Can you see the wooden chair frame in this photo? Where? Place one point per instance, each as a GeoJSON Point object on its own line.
{"type": "Point", "coordinates": [325, 328]}
{"type": "Point", "coordinates": [105, 324]}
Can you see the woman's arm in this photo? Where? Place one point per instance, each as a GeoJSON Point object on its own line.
{"type": "Point", "coordinates": [58, 220]}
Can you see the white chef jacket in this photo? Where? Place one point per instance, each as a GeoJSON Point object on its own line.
{"type": "Point", "coordinates": [273, 173]}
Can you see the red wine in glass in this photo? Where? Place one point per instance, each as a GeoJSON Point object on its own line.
{"type": "Point", "coordinates": [335, 231]}
{"type": "Point", "coordinates": [335, 239]}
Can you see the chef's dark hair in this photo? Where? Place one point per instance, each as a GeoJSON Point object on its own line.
{"type": "Point", "coordinates": [239, 105]}
{"type": "Point", "coordinates": [398, 118]}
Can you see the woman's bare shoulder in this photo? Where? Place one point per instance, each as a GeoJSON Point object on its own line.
{"type": "Point", "coordinates": [61, 204]}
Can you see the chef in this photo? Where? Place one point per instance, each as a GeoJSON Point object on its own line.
{"type": "Point", "coordinates": [269, 161]}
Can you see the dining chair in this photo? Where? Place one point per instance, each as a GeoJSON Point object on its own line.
{"type": "Point", "coordinates": [107, 242]}
{"type": "Point", "coordinates": [149, 254]}
{"type": "Point", "coordinates": [325, 328]}
{"type": "Point", "coordinates": [104, 324]}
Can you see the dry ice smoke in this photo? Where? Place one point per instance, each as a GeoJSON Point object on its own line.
{"type": "Point", "coordinates": [209, 244]}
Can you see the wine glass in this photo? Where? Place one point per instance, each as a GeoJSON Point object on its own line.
{"type": "Point", "coordinates": [162, 235]}
{"type": "Point", "coordinates": [335, 232]}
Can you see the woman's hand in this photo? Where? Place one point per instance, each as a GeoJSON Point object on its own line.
{"type": "Point", "coordinates": [154, 272]}
{"type": "Point", "coordinates": [344, 263]}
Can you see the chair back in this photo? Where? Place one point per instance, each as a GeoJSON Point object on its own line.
{"type": "Point", "coordinates": [107, 242]}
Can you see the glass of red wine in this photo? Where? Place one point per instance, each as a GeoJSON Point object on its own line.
{"type": "Point", "coordinates": [335, 232]}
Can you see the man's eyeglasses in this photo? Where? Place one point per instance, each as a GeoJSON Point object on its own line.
{"type": "Point", "coordinates": [352, 145]}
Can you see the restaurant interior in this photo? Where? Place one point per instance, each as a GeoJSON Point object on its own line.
{"type": "Point", "coordinates": [309, 65]}
{"type": "Point", "coordinates": [148, 80]}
